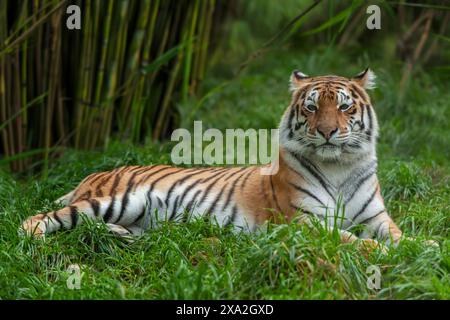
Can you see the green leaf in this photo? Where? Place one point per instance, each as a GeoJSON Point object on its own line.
{"type": "Point", "coordinates": [341, 16]}
{"type": "Point", "coordinates": [165, 57]}
{"type": "Point", "coordinates": [18, 113]}
{"type": "Point", "coordinates": [27, 154]}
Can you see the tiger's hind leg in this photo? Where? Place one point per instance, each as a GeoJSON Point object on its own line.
{"type": "Point", "coordinates": [128, 233]}
{"type": "Point", "coordinates": [108, 209]}
{"type": "Point", "coordinates": [65, 199]}
{"type": "Point", "coordinates": [65, 218]}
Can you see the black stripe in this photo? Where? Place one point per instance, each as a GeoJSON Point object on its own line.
{"type": "Point", "coordinates": [124, 168]}
{"type": "Point", "coordinates": [95, 205]}
{"type": "Point", "coordinates": [160, 202]}
{"type": "Point", "coordinates": [355, 145]}
{"type": "Point", "coordinates": [212, 207]}
{"type": "Point", "coordinates": [109, 211]}
{"type": "Point", "coordinates": [154, 182]}
{"type": "Point", "coordinates": [217, 169]}
{"type": "Point", "coordinates": [327, 80]}
{"type": "Point", "coordinates": [180, 182]}
{"type": "Point", "coordinates": [210, 186]}
{"type": "Point", "coordinates": [98, 177]}
{"type": "Point", "coordinates": [218, 172]}
{"type": "Point", "coordinates": [237, 171]}
{"type": "Point", "coordinates": [191, 203]}
{"type": "Point", "coordinates": [274, 196]}
{"type": "Point", "coordinates": [232, 218]}
{"type": "Point", "coordinates": [136, 168]}
{"type": "Point", "coordinates": [73, 216]}
{"type": "Point", "coordinates": [368, 201]}
{"type": "Point", "coordinates": [231, 192]}
{"type": "Point", "coordinates": [174, 208]}
{"type": "Point", "coordinates": [141, 215]}
{"type": "Point", "coordinates": [185, 217]}
{"type": "Point", "coordinates": [142, 171]}
{"type": "Point", "coordinates": [298, 125]}
{"type": "Point", "coordinates": [189, 188]}
{"type": "Point", "coordinates": [148, 203]}
{"type": "Point", "coordinates": [129, 230]}
{"type": "Point", "coordinates": [307, 192]}
{"type": "Point", "coordinates": [291, 117]}
{"type": "Point", "coordinates": [246, 177]}
{"type": "Point", "coordinates": [125, 198]}
{"type": "Point", "coordinates": [94, 176]}
{"type": "Point", "coordinates": [369, 131]}
{"type": "Point", "coordinates": [370, 172]}
{"type": "Point", "coordinates": [314, 171]}
{"type": "Point", "coordinates": [295, 171]}
{"type": "Point", "coordinates": [57, 218]}
{"type": "Point", "coordinates": [378, 229]}
{"type": "Point", "coordinates": [98, 191]}
{"type": "Point", "coordinates": [301, 209]}
{"type": "Point", "coordinates": [362, 124]}
{"type": "Point", "coordinates": [84, 196]}
{"type": "Point", "coordinates": [151, 174]}
{"type": "Point", "coordinates": [372, 217]}
{"type": "Point", "coordinates": [360, 93]}
{"type": "Point", "coordinates": [297, 114]}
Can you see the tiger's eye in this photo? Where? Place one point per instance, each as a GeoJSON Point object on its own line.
{"type": "Point", "coordinates": [310, 107]}
{"type": "Point", "coordinates": [344, 107]}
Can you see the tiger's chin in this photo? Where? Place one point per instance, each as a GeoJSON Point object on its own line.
{"type": "Point", "coordinates": [328, 153]}
{"type": "Point", "coordinates": [336, 155]}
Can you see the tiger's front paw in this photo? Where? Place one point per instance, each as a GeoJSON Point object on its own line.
{"type": "Point", "coordinates": [428, 242]}
{"type": "Point", "coordinates": [34, 226]}
{"type": "Point", "coordinates": [370, 245]}
{"type": "Point", "coordinates": [431, 243]}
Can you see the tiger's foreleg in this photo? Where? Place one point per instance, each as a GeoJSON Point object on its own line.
{"type": "Point", "coordinates": [345, 235]}
{"type": "Point", "coordinates": [382, 228]}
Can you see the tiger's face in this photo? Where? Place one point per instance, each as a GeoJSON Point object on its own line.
{"type": "Point", "coordinates": [330, 117]}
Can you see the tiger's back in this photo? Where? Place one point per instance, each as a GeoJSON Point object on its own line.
{"type": "Point", "coordinates": [141, 196]}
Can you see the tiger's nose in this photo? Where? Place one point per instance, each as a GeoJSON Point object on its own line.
{"type": "Point", "coordinates": [327, 132]}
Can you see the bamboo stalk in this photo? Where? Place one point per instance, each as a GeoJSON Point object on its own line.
{"type": "Point", "coordinates": [188, 55]}
{"type": "Point", "coordinates": [115, 62]}
{"type": "Point", "coordinates": [93, 83]}
{"type": "Point", "coordinates": [54, 81]}
{"type": "Point", "coordinates": [126, 108]}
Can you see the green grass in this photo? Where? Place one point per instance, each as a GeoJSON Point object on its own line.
{"type": "Point", "coordinates": [201, 261]}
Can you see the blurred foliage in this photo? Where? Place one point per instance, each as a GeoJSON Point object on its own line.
{"type": "Point", "coordinates": [120, 74]}
{"type": "Point", "coordinates": [139, 69]}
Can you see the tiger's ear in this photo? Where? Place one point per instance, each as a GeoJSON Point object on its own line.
{"type": "Point", "coordinates": [366, 79]}
{"type": "Point", "coordinates": [296, 80]}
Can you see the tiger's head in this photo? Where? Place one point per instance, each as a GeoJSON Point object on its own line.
{"type": "Point", "coordinates": [330, 118]}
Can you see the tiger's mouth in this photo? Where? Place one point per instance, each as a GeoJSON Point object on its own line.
{"type": "Point", "coordinates": [328, 145]}
{"type": "Point", "coordinates": [328, 151]}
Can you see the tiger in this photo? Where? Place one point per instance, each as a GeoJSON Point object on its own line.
{"type": "Point", "coordinates": [327, 160]}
